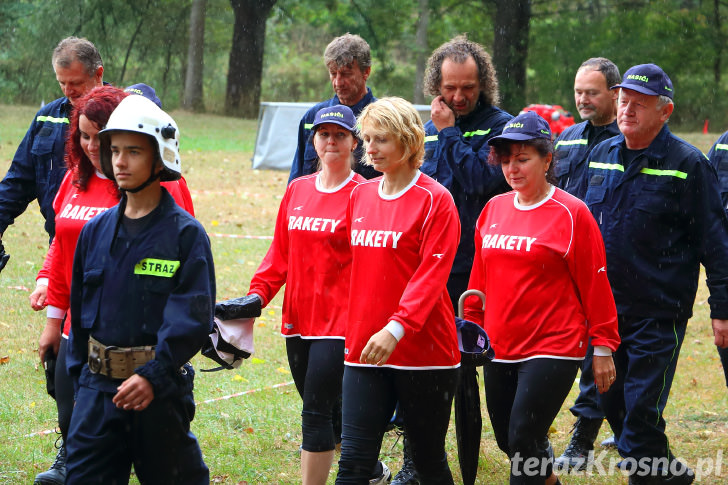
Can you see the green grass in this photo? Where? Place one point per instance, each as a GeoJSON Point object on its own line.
{"type": "Point", "coordinates": [254, 438]}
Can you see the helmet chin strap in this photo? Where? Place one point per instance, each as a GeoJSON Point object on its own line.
{"type": "Point", "coordinates": [152, 178]}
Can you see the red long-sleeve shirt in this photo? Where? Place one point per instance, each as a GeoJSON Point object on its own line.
{"type": "Point", "coordinates": [310, 254]}
{"type": "Point", "coordinates": [543, 271]}
{"type": "Point", "coordinates": [403, 247]}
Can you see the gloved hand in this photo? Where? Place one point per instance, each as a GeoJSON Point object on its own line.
{"type": "Point", "coordinates": [3, 256]}
{"type": "Point", "coordinates": [244, 307]}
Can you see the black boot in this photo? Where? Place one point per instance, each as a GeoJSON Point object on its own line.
{"type": "Point", "coordinates": [576, 456]}
{"type": "Point", "coordinates": [56, 474]}
{"type": "Point", "coordinates": [407, 474]}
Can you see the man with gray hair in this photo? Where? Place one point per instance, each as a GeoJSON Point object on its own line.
{"type": "Point", "coordinates": [349, 62]}
{"type": "Point", "coordinates": [38, 166]}
{"type": "Point", "coordinates": [597, 106]}
{"type": "Point", "coordinates": [656, 200]}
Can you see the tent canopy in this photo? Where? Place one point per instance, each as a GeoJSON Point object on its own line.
{"type": "Point", "coordinates": [275, 143]}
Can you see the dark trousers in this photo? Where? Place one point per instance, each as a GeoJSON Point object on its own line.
{"type": "Point", "coordinates": [317, 366]}
{"type": "Point", "coordinates": [587, 402]}
{"type": "Point", "coordinates": [104, 441]}
{"type": "Point", "coordinates": [370, 395]}
{"type": "Point", "coordinates": [723, 353]}
{"type": "Point", "coordinates": [64, 390]}
{"type": "Point", "coordinates": [523, 399]}
{"type": "Point", "coordinates": [645, 362]}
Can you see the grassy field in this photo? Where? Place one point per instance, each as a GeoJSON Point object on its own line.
{"type": "Point", "coordinates": [253, 436]}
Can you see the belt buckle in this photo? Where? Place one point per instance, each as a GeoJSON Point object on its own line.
{"type": "Point", "coordinates": [94, 358]}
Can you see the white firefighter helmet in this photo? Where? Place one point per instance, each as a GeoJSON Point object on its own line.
{"type": "Point", "coordinates": [140, 115]}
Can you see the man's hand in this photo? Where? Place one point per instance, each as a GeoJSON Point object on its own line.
{"type": "Point", "coordinates": [3, 255]}
{"type": "Point", "coordinates": [720, 332]}
{"type": "Point", "coordinates": [379, 348]}
{"type": "Point", "coordinates": [134, 394]}
{"type": "Point", "coordinates": [50, 339]}
{"type": "Point", "coordinates": [441, 114]}
{"type": "Point", "coordinates": [38, 297]}
{"type": "Point", "coordinates": [604, 372]}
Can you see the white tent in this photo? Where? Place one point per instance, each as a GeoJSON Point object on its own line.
{"type": "Point", "coordinates": [275, 143]}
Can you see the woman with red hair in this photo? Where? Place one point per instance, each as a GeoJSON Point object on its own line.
{"type": "Point", "coordinates": [84, 193]}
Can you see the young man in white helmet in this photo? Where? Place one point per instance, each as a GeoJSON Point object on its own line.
{"type": "Point", "coordinates": [142, 301]}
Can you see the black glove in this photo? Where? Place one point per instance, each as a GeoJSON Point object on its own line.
{"type": "Point", "coordinates": [473, 342]}
{"type": "Point", "coordinates": [3, 256]}
{"type": "Point", "coordinates": [244, 307]}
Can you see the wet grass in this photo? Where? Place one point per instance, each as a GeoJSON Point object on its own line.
{"type": "Point", "coordinates": [254, 437]}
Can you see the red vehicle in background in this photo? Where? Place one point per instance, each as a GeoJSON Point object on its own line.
{"type": "Point", "coordinates": [558, 118]}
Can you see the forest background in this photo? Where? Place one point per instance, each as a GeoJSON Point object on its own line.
{"type": "Point", "coordinates": [225, 56]}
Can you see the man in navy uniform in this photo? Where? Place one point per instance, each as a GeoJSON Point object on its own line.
{"type": "Point", "coordinates": [142, 302]}
{"type": "Point", "coordinates": [349, 62]}
{"type": "Point", "coordinates": [597, 106]}
{"type": "Point", "coordinates": [657, 203]}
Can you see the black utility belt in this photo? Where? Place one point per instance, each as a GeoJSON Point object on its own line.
{"type": "Point", "coordinates": [117, 362]}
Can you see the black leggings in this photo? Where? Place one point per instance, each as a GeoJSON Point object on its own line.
{"type": "Point", "coordinates": [523, 400]}
{"type": "Point", "coordinates": [370, 395]}
{"type": "Point", "coordinates": [317, 366]}
{"type": "Point", "coordinates": [64, 389]}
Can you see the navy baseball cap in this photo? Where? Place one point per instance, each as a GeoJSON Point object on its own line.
{"type": "Point", "coordinates": [647, 79]}
{"type": "Point", "coordinates": [144, 90]}
{"type": "Point", "coordinates": [526, 126]}
{"type": "Point", "coordinates": [339, 115]}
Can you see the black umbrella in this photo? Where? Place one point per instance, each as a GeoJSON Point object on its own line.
{"type": "Point", "coordinates": [474, 351]}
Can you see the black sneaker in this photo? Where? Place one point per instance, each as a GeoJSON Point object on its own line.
{"type": "Point", "coordinates": [56, 474]}
{"type": "Point", "coordinates": [683, 476]}
{"type": "Point", "coordinates": [407, 475]}
{"type": "Point", "coordinates": [577, 455]}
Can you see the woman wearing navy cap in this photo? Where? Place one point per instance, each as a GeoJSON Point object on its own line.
{"type": "Point", "coordinates": [310, 254]}
{"type": "Point", "coordinates": [540, 262]}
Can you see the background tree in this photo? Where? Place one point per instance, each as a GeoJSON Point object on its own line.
{"type": "Point", "coordinates": [246, 57]}
{"type": "Point", "coordinates": [193, 100]}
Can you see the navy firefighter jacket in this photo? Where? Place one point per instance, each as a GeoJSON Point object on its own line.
{"type": "Point", "coordinates": [155, 288]}
{"type": "Point", "coordinates": [572, 151]}
{"type": "Point", "coordinates": [38, 166]}
{"type": "Point", "coordinates": [457, 157]}
{"type": "Point", "coordinates": [718, 156]}
{"type": "Point", "coordinates": [304, 161]}
{"type": "Point", "coordinates": [661, 217]}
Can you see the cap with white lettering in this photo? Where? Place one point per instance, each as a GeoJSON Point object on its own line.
{"type": "Point", "coordinates": [339, 115]}
{"type": "Point", "coordinates": [526, 126]}
{"type": "Point", "coordinates": [647, 79]}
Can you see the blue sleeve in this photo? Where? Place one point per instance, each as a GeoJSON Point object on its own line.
{"type": "Point", "coordinates": [188, 313]}
{"type": "Point", "coordinates": [77, 353]}
{"type": "Point", "coordinates": [18, 188]}
{"type": "Point", "coordinates": [298, 162]}
{"type": "Point", "coordinates": [713, 235]}
{"type": "Point", "coordinates": [469, 162]}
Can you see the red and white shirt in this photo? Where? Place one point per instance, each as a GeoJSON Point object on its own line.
{"type": "Point", "coordinates": [402, 248]}
{"type": "Point", "coordinates": [543, 271]}
{"type": "Point", "coordinates": [73, 208]}
{"type": "Point", "coordinates": [310, 254]}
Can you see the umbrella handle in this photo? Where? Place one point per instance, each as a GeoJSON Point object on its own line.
{"type": "Point", "coordinates": [461, 300]}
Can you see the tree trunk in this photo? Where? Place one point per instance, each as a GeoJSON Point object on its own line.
{"type": "Point", "coordinates": [193, 100]}
{"type": "Point", "coordinates": [421, 51]}
{"type": "Point", "coordinates": [510, 50]}
{"type": "Point", "coordinates": [245, 69]}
